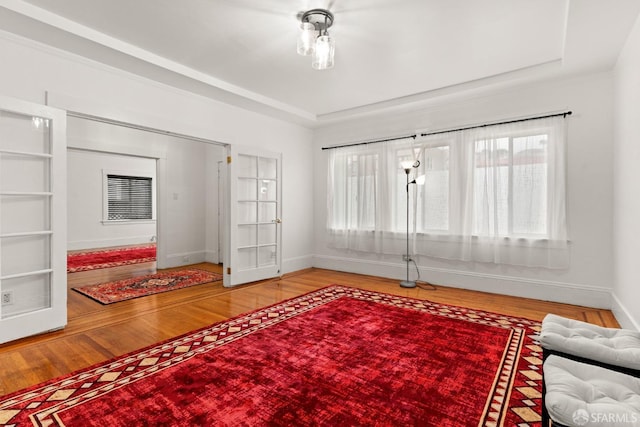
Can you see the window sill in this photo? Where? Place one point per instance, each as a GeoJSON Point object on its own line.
{"type": "Point", "coordinates": [128, 222]}
{"type": "Point", "coordinates": [455, 238]}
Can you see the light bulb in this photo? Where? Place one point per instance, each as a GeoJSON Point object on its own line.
{"type": "Point", "coordinates": [306, 38]}
{"type": "Point", "coordinates": [406, 164]}
{"type": "Point", "coordinates": [324, 52]}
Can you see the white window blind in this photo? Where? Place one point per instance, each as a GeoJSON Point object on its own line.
{"type": "Point", "coordinates": [129, 198]}
{"type": "Point", "coordinates": [491, 194]}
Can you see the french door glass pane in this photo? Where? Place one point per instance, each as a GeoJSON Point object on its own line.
{"type": "Point", "coordinates": [267, 168]}
{"type": "Point", "coordinates": [266, 234]}
{"type": "Point", "coordinates": [33, 292]}
{"type": "Point", "coordinates": [267, 212]}
{"type": "Point", "coordinates": [24, 173]}
{"type": "Point", "coordinates": [247, 235]}
{"type": "Point", "coordinates": [247, 212]}
{"type": "Point", "coordinates": [266, 255]}
{"type": "Point", "coordinates": [24, 133]}
{"type": "Point", "coordinates": [267, 190]}
{"type": "Point", "coordinates": [247, 166]}
{"type": "Point", "coordinates": [246, 258]}
{"type": "Point", "coordinates": [19, 214]}
{"type": "Point", "coordinates": [247, 189]}
{"type": "Point", "coordinates": [13, 250]}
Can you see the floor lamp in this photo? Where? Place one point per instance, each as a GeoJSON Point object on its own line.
{"type": "Point", "coordinates": [407, 166]}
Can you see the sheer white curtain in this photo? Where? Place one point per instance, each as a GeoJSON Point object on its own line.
{"type": "Point", "coordinates": [365, 205]}
{"type": "Point", "coordinates": [492, 194]}
{"type": "Point", "coordinates": [507, 196]}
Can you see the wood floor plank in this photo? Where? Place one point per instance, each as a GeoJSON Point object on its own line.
{"type": "Point", "coordinates": [97, 332]}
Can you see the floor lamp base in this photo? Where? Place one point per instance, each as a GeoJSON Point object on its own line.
{"type": "Point", "coordinates": [407, 284]}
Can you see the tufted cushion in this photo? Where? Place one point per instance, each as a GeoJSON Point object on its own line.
{"type": "Point", "coordinates": [620, 347]}
{"type": "Point", "coordinates": [579, 394]}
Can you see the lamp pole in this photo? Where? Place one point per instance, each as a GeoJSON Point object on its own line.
{"type": "Point", "coordinates": [407, 283]}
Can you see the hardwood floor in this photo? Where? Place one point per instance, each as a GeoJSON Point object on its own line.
{"type": "Point", "coordinates": [96, 332]}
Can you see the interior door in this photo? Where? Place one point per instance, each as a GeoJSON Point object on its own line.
{"type": "Point", "coordinates": [33, 278]}
{"type": "Point", "coordinates": [254, 212]}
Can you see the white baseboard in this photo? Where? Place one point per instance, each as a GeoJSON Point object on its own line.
{"type": "Point", "coordinates": [106, 243]}
{"type": "Point", "coordinates": [298, 263]}
{"type": "Point", "coordinates": [567, 293]}
{"type": "Point", "coordinates": [177, 260]}
{"type": "Point", "coordinates": [212, 257]}
{"type": "Point", "coordinates": [185, 258]}
{"type": "Point", "coordinates": [622, 315]}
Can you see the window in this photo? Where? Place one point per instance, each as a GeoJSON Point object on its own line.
{"type": "Point", "coordinates": [510, 186]}
{"type": "Point", "coordinates": [129, 198]}
{"type": "Point", "coordinates": [434, 210]}
{"type": "Point", "coordinates": [359, 173]}
{"type": "Point", "coordinates": [488, 193]}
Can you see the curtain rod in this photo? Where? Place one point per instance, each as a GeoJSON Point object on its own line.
{"type": "Point", "coordinates": [565, 114]}
{"type": "Point", "coordinates": [414, 136]}
{"type": "Point", "coordinates": [353, 144]}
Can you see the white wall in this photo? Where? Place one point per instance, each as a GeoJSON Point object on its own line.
{"type": "Point", "coordinates": [186, 217]}
{"type": "Point", "coordinates": [29, 71]}
{"type": "Point", "coordinates": [85, 200]}
{"type": "Point", "coordinates": [626, 217]}
{"type": "Point", "coordinates": [588, 280]}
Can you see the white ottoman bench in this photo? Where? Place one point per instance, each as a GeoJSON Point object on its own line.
{"type": "Point", "coordinates": [579, 394]}
{"type": "Point", "coordinates": [617, 349]}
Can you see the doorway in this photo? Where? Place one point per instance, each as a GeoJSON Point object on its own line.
{"type": "Point", "coordinates": [184, 225]}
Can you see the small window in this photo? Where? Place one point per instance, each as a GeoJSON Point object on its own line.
{"type": "Point", "coordinates": [129, 198]}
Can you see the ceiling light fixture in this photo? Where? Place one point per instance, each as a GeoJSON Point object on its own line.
{"type": "Point", "coordinates": [321, 46]}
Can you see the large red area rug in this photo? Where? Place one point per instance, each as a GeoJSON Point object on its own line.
{"type": "Point", "coordinates": [93, 260]}
{"type": "Point", "coordinates": [334, 357]}
{"type": "Point", "coordinates": [121, 290]}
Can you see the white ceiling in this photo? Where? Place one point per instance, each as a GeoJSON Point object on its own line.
{"type": "Point", "coordinates": [388, 52]}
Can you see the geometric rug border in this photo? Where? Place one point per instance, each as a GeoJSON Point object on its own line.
{"type": "Point", "coordinates": [86, 384]}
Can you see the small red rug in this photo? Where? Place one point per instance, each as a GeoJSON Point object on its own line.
{"type": "Point", "coordinates": [336, 356]}
{"type": "Point", "coordinates": [93, 260]}
{"type": "Point", "coordinates": [110, 292]}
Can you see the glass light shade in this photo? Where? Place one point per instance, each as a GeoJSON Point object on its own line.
{"type": "Point", "coordinates": [421, 179]}
{"type": "Point", "coordinates": [324, 51]}
{"type": "Point", "coordinates": [306, 38]}
{"type": "Point", "coordinates": [407, 164]}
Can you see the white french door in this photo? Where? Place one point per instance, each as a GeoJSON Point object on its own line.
{"type": "Point", "coordinates": [33, 277]}
{"type": "Point", "coordinates": [253, 215]}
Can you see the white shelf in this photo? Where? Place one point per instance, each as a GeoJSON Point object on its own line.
{"type": "Point", "coordinates": [27, 274]}
{"type": "Point", "coordinates": [26, 193]}
{"type": "Point", "coordinates": [26, 153]}
{"type": "Point", "coordinates": [26, 234]}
